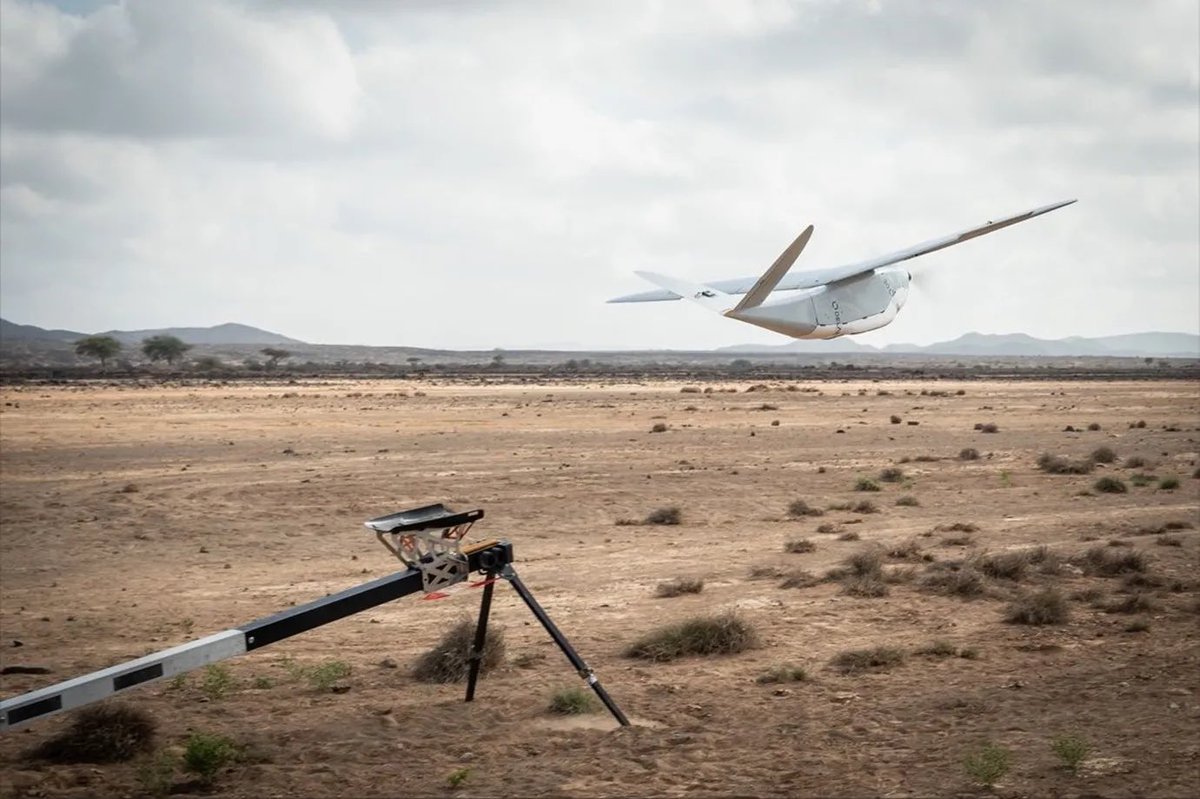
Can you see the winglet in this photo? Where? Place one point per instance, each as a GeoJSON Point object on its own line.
{"type": "Point", "coordinates": [770, 279]}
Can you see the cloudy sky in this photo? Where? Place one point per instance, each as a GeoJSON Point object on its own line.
{"type": "Point", "coordinates": [487, 174]}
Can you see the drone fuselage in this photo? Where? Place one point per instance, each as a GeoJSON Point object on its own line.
{"type": "Point", "coordinates": [864, 302]}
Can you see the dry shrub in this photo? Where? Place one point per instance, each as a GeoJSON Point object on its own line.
{"type": "Point", "coordinates": [849, 535]}
{"type": "Point", "coordinates": [1103, 455]}
{"type": "Point", "coordinates": [866, 506]}
{"type": "Point", "coordinates": [1047, 606]}
{"type": "Point", "coordinates": [868, 586]}
{"type": "Point", "coordinates": [1057, 464]}
{"type": "Point", "coordinates": [1168, 541]}
{"type": "Point", "coordinates": [905, 550]}
{"type": "Point", "coordinates": [856, 661]}
{"type": "Point", "coordinates": [828, 529]}
{"type": "Point", "coordinates": [679, 586]}
{"type": "Point", "coordinates": [1094, 426]}
{"type": "Point", "coordinates": [765, 572]}
{"type": "Point", "coordinates": [1004, 565]}
{"type": "Point", "coordinates": [800, 508]}
{"type": "Point", "coordinates": [968, 454]}
{"type": "Point", "coordinates": [989, 427]}
{"type": "Point", "coordinates": [658, 427]}
{"type": "Point", "coordinates": [722, 634]}
{"type": "Point", "coordinates": [954, 578]}
{"type": "Point", "coordinates": [957, 527]}
{"type": "Point", "coordinates": [782, 673]}
{"type": "Point", "coordinates": [1105, 562]}
{"type": "Point", "coordinates": [671, 515]}
{"type": "Point", "coordinates": [1133, 603]}
{"type": "Point", "coordinates": [866, 484]}
{"type": "Point", "coordinates": [862, 574]}
{"type": "Point", "coordinates": [1137, 462]}
{"type": "Point", "coordinates": [907, 501]}
{"type": "Point", "coordinates": [1110, 485]}
{"type": "Point", "coordinates": [106, 733]}
{"type": "Point", "coordinates": [799, 546]}
{"type": "Point", "coordinates": [895, 419]}
{"type": "Point", "coordinates": [891, 475]}
{"type": "Point", "coordinates": [799, 579]}
{"type": "Point", "coordinates": [450, 659]}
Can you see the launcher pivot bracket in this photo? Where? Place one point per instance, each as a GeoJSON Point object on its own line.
{"type": "Point", "coordinates": [428, 539]}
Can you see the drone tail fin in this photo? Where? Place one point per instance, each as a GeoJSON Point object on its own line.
{"type": "Point", "coordinates": [770, 279]}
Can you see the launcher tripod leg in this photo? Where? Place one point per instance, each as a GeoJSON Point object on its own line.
{"type": "Point", "coordinates": [485, 607]}
{"type": "Point", "coordinates": [585, 671]}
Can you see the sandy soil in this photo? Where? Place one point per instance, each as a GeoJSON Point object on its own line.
{"type": "Point", "coordinates": [138, 518]}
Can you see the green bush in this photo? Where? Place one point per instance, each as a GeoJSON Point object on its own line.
{"type": "Point", "coordinates": [217, 681]}
{"type": "Point", "coordinates": [988, 764]}
{"type": "Point", "coordinates": [1109, 485]}
{"type": "Point", "coordinates": [206, 754]}
{"type": "Point", "coordinates": [722, 634]}
{"type": "Point", "coordinates": [573, 701]}
{"type": "Point", "coordinates": [1071, 750]}
{"type": "Point", "coordinates": [1169, 483]}
{"type": "Point", "coordinates": [326, 675]}
{"type": "Point", "coordinates": [156, 774]}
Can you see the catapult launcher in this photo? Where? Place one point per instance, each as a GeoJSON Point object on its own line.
{"type": "Point", "coordinates": [427, 540]}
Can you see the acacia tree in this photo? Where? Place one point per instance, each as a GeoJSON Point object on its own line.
{"type": "Point", "coordinates": [102, 347]}
{"type": "Point", "coordinates": [274, 356]}
{"type": "Point", "coordinates": [164, 348]}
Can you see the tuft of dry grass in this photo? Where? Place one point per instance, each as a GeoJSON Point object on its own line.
{"type": "Point", "coordinates": [450, 660]}
{"type": "Point", "coordinates": [857, 661]}
{"type": "Point", "coordinates": [799, 579]}
{"type": "Point", "coordinates": [679, 586]}
{"type": "Point", "coordinates": [1047, 606]}
{"type": "Point", "coordinates": [1133, 603]}
{"type": "Point", "coordinates": [906, 550]}
{"type": "Point", "coordinates": [722, 634]}
{"type": "Point", "coordinates": [105, 733]}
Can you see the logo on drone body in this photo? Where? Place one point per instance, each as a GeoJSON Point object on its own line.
{"type": "Point", "coordinates": [705, 293]}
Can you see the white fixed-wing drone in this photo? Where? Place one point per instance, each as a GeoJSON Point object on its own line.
{"type": "Point", "coordinates": [833, 302]}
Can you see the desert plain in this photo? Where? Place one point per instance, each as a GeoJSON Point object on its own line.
{"type": "Point", "coordinates": [140, 516]}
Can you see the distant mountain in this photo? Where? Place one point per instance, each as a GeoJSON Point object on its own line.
{"type": "Point", "coordinates": [228, 333]}
{"type": "Point", "coordinates": [1135, 345]}
{"type": "Point", "coordinates": [10, 331]}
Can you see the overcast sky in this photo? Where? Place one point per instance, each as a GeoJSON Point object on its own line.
{"type": "Point", "coordinates": [487, 174]}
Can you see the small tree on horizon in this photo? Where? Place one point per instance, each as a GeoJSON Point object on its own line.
{"type": "Point", "coordinates": [102, 347]}
{"type": "Point", "coordinates": [164, 348]}
{"type": "Point", "coordinates": [274, 356]}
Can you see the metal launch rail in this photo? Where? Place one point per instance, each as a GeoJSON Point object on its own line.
{"type": "Point", "coordinates": [426, 539]}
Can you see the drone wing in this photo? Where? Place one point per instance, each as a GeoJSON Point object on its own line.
{"type": "Point", "coordinates": [811, 279]}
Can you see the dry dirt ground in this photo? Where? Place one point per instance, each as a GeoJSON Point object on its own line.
{"type": "Point", "coordinates": [136, 518]}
